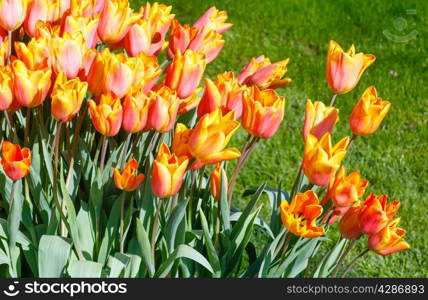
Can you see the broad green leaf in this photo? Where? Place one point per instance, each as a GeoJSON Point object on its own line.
{"type": "Point", "coordinates": [144, 243]}
{"type": "Point", "coordinates": [133, 267]}
{"type": "Point", "coordinates": [175, 220]}
{"type": "Point", "coordinates": [85, 226]}
{"type": "Point", "coordinates": [117, 264]}
{"type": "Point", "coordinates": [53, 256]}
{"type": "Point", "coordinates": [224, 205]}
{"type": "Point", "coordinates": [329, 262]}
{"type": "Point", "coordinates": [212, 253]}
{"type": "Point", "coordinates": [85, 269]}
{"type": "Point", "coordinates": [110, 233]}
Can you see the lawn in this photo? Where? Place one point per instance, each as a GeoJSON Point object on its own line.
{"type": "Point", "coordinates": [394, 159]}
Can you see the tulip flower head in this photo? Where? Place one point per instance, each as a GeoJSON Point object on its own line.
{"type": "Point", "coordinates": [344, 69]}
{"type": "Point", "coordinates": [300, 215]}
{"type": "Point", "coordinates": [167, 173]}
{"type": "Point", "coordinates": [85, 26]}
{"type": "Point", "coordinates": [135, 111]}
{"type": "Point", "coordinates": [15, 161]}
{"type": "Point", "coordinates": [369, 113]}
{"type": "Point", "coordinates": [319, 119]}
{"type": "Point", "coordinates": [213, 19]}
{"type": "Point", "coordinates": [4, 45]}
{"type": "Point", "coordinates": [128, 180]}
{"type": "Point", "coordinates": [263, 112]}
{"type": "Point", "coordinates": [209, 138]}
{"type": "Point", "coordinates": [388, 240]}
{"type": "Point", "coordinates": [349, 224]}
{"type": "Point", "coordinates": [6, 87]}
{"type": "Point", "coordinates": [12, 13]}
{"type": "Point", "coordinates": [107, 114]}
{"type": "Point", "coordinates": [215, 181]}
{"type": "Point", "coordinates": [163, 109]}
{"type": "Point", "coordinates": [35, 54]}
{"type": "Point", "coordinates": [38, 10]}
{"type": "Point", "coordinates": [321, 160]}
{"type": "Point", "coordinates": [180, 141]}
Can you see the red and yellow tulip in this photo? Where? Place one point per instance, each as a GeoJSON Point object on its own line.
{"type": "Point", "coordinates": [107, 114]}
{"type": "Point", "coordinates": [12, 13]}
{"type": "Point", "coordinates": [6, 87]}
{"type": "Point", "coordinates": [215, 181]}
{"type": "Point", "coordinates": [128, 180]}
{"type": "Point", "coordinates": [180, 141]}
{"type": "Point", "coordinates": [349, 224]}
{"type": "Point", "coordinates": [16, 162]}
{"type": "Point", "coordinates": [163, 109]}
{"type": "Point", "coordinates": [135, 111]}
{"type": "Point", "coordinates": [35, 54]}
{"type": "Point", "coordinates": [319, 119]}
{"type": "Point", "coordinates": [388, 240]}
{"type": "Point", "coordinates": [213, 19]}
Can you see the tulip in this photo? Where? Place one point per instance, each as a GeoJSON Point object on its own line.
{"type": "Point", "coordinates": [35, 54]}
{"type": "Point", "coordinates": [168, 171]}
{"type": "Point", "coordinates": [119, 74]}
{"type": "Point", "coordinates": [321, 160]}
{"type": "Point", "coordinates": [185, 72]}
{"type": "Point", "coordinates": [135, 112]}
{"type": "Point", "coordinates": [67, 97]}
{"type": "Point", "coordinates": [163, 109]}
{"type": "Point", "coordinates": [38, 10]}
{"type": "Point", "coordinates": [15, 161]}
{"type": "Point", "coordinates": [93, 70]}
{"type": "Point", "coordinates": [300, 216]}
{"type": "Point", "coordinates": [215, 181]}
{"type": "Point", "coordinates": [389, 239]}
{"type": "Point", "coordinates": [190, 102]}
{"type": "Point", "coordinates": [263, 112]}
{"type": "Point", "coordinates": [12, 13]}
{"type": "Point", "coordinates": [86, 8]}
{"type": "Point", "coordinates": [369, 112]}
{"type": "Point", "coordinates": [349, 224]}
{"type": "Point", "coordinates": [107, 115]}
{"type": "Point", "coordinates": [376, 213]}
{"type": "Point", "coordinates": [47, 30]}
{"type": "Point", "coordinates": [319, 119]}
{"type": "Point", "coordinates": [57, 10]}
{"type": "Point", "coordinates": [148, 34]}
{"type": "Point", "coordinates": [147, 71]}
{"type": "Point", "coordinates": [30, 87]}
{"type": "Point", "coordinates": [225, 93]}
{"type": "Point", "coordinates": [213, 19]}
{"type": "Point", "coordinates": [261, 72]}
{"type": "Point", "coordinates": [209, 138]}
{"type": "Point", "coordinates": [128, 180]}
{"type": "Point", "coordinates": [344, 69]}
{"type": "Point", "coordinates": [115, 21]}
{"type": "Point", "coordinates": [6, 87]}
{"type": "Point", "coordinates": [345, 190]}
{"type": "Point", "coordinates": [180, 141]}
{"type": "Point", "coordinates": [85, 26]}
{"type": "Point", "coordinates": [4, 45]}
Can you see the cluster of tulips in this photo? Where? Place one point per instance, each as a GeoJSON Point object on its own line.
{"type": "Point", "coordinates": [98, 59]}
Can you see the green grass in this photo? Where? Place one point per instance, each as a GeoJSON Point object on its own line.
{"type": "Point", "coordinates": [394, 159]}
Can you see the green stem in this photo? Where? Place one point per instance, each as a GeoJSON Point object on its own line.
{"type": "Point", "coordinates": [344, 255]}
{"type": "Point", "coordinates": [103, 153]}
{"type": "Point", "coordinates": [9, 46]}
{"type": "Point", "coordinates": [125, 151]}
{"type": "Point", "coordinates": [297, 182]}
{"type": "Point", "coordinates": [155, 228]}
{"type": "Point", "coordinates": [55, 182]}
{"type": "Point", "coordinates": [333, 99]}
{"type": "Point", "coordinates": [122, 209]}
{"type": "Point", "coordinates": [352, 263]}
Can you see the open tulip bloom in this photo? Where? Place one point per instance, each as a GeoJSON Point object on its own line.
{"type": "Point", "coordinates": [122, 151]}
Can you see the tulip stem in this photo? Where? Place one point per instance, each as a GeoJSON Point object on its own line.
{"type": "Point", "coordinates": [327, 214]}
{"type": "Point", "coordinates": [55, 182]}
{"type": "Point", "coordinates": [125, 151]}
{"type": "Point", "coordinates": [344, 255]}
{"type": "Point", "coordinates": [12, 134]}
{"type": "Point", "coordinates": [103, 152]}
{"type": "Point", "coordinates": [297, 182]}
{"type": "Point", "coordinates": [9, 46]}
{"type": "Point", "coordinates": [155, 228]}
{"type": "Point", "coordinates": [352, 263]}
{"type": "Point", "coordinates": [122, 209]}
{"type": "Point", "coordinates": [333, 99]}
{"type": "Point", "coordinates": [351, 141]}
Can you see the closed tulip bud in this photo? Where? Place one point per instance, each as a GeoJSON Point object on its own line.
{"type": "Point", "coordinates": [349, 225]}
{"type": "Point", "coordinates": [369, 113]}
{"type": "Point", "coordinates": [300, 215]}
{"type": "Point", "coordinates": [319, 119]}
{"type": "Point", "coordinates": [215, 181]}
{"type": "Point", "coordinates": [388, 240]}
{"type": "Point", "coordinates": [180, 141]}
{"type": "Point", "coordinates": [35, 54]}
{"type": "Point", "coordinates": [128, 180]}
{"type": "Point", "coordinates": [376, 213]}
{"type": "Point", "coordinates": [263, 112]}
{"type": "Point", "coordinates": [148, 34]}
{"type": "Point", "coordinates": [94, 64]}
{"type": "Point", "coordinates": [345, 190]}
{"type": "Point", "coordinates": [344, 69]}
{"type": "Point", "coordinates": [12, 13]}
{"type": "Point", "coordinates": [16, 162]}
{"type": "Point", "coordinates": [264, 74]}
{"type": "Point", "coordinates": [213, 19]}
{"type": "Point", "coordinates": [6, 87]}
{"type": "Point", "coordinates": [225, 93]}
{"type": "Point", "coordinates": [85, 26]}
{"type": "Point", "coordinates": [185, 72]}
{"type": "Point", "coordinates": [209, 138]}
{"type": "Point", "coordinates": [115, 20]}
{"type": "Point", "coordinates": [163, 109]}
{"type": "Point", "coordinates": [30, 87]}
{"type": "Point", "coordinates": [107, 115]}
{"type": "Point", "coordinates": [67, 97]}
{"type": "Point", "coordinates": [321, 160]}
{"type": "Point", "coordinates": [38, 10]}
{"type": "Point", "coordinates": [135, 112]}
{"type": "Point", "coordinates": [168, 171]}
{"type": "Point", "coordinates": [119, 74]}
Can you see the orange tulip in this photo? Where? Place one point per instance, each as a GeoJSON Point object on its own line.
{"type": "Point", "coordinates": [389, 239]}
{"type": "Point", "coordinates": [38, 10]}
{"type": "Point", "coordinates": [344, 69]}
{"type": "Point", "coordinates": [57, 10]}
{"type": "Point", "coordinates": [263, 112]}
{"type": "Point", "coordinates": [349, 224]}
{"type": "Point", "coordinates": [345, 190]}
{"type": "Point", "coordinates": [12, 13]}
{"type": "Point", "coordinates": [215, 181]}
{"type": "Point", "coordinates": [86, 8]}
{"type": "Point", "coordinates": [128, 180]}
{"type": "Point", "coordinates": [300, 216]}
{"type": "Point", "coordinates": [163, 109]}
{"type": "Point", "coordinates": [321, 160]}
{"type": "Point", "coordinates": [6, 87]}
{"type": "Point", "coordinates": [30, 87]}
{"type": "Point", "coordinates": [107, 115]}
{"type": "Point", "coordinates": [210, 136]}
{"type": "Point", "coordinates": [115, 21]}
{"type": "Point", "coordinates": [67, 97]}
{"type": "Point", "coordinates": [213, 19]}
{"type": "Point", "coordinates": [225, 93]}
{"type": "Point", "coordinates": [147, 77]}
{"type": "Point", "coordinates": [369, 112]}
{"type": "Point", "coordinates": [35, 54]}
{"type": "Point", "coordinates": [376, 213]}
{"type": "Point", "coordinates": [264, 74]}
{"type": "Point", "coordinates": [185, 72]}
{"type": "Point", "coordinates": [135, 111]}
{"type": "Point", "coordinates": [15, 161]}
{"type": "Point", "coordinates": [319, 119]}
{"type": "Point", "coordinates": [180, 141]}
{"type": "Point", "coordinates": [85, 26]}
{"type": "Point", "coordinates": [168, 171]}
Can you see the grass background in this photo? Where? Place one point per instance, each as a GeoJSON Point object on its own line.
{"type": "Point", "coordinates": [394, 159]}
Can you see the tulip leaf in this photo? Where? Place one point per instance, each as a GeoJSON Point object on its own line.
{"type": "Point", "coordinates": [212, 253]}
{"type": "Point", "coordinates": [329, 261]}
{"type": "Point", "coordinates": [85, 269]}
{"type": "Point", "coordinates": [224, 205]}
{"type": "Point", "coordinates": [53, 255]}
{"type": "Point", "coordinates": [145, 249]}
{"type": "Point", "coordinates": [110, 234]}
{"type": "Point", "coordinates": [175, 220]}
